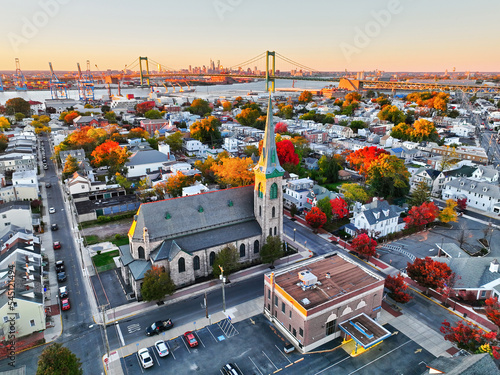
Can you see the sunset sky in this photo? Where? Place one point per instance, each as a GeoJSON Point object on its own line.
{"type": "Point", "coordinates": [333, 35]}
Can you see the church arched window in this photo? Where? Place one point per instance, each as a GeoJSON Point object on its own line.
{"type": "Point", "coordinates": [274, 211]}
{"type": "Point", "coordinates": [196, 263]}
{"type": "Point", "coordinates": [261, 194]}
{"type": "Point", "coordinates": [141, 252]}
{"type": "Point", "coordinates": [182, 265]}
{"type": "Point", "coordinates": [242, 250]}
{"type": "Point", "coordinates": [274, 191]}
{"type": "Point", "coordinates": [211, 259]}
{"type": "Point", "coordinates": [256, 247]}
{"type": "Point", "coordinates": [275, 231]}
{"type": "Point", "coordinates": [270, 231]}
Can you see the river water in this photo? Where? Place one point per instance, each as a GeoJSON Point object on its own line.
{"type": "Point", "coordinates": [200, 92]}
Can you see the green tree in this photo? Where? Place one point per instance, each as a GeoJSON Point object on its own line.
{"type": "Point", "coordinates": [19, 116]}
{"type": "Point", "coordinates": [272, 250]}
{"type": "Point", "coordinates": [251, 150]}
{"type": "Point", "coordinates": [248, 116]}
{"type": "Point", "coordinates": [17, 105]}
{"type": "Point", "coordinates": [4, 142]}
{"type": "Point", "coordinates": [207, 130]}
{"type": "Point", "coordinates": [420, 195]}
{"type": "Point", "coordinates": [153, 114]}
{"type": "Point", "coordinates": [329, 167]}
{"type": "Point", "coordinates": [354, 193]}
{"type": "Point", "coordinates": [111, 117]}
{"type": "Point", "coordinates": [227, 258]}
{"type": "Point", "coordinates": [293, 210]}
{"type": "Point", "coordinates": [174, 141]}
{"type": "Point", "coordinates": [157, 284]}
{"type": "Point", "coordinates": [326, 207]}
{"type": "Point", "coordinates": [392, 114]}
{"type": "Point", "coordinates": [70, 166]}
{"type": "Point", "coordinates": [356, 125]}
{"type": "Point", "coordinates": [200, 107]}
{"type": "Point", "coordinates": [58, 360]}
{"type": "Point", "coordinates": [305, 97]}
{"type": "Point", "coordinates": [122, 181]}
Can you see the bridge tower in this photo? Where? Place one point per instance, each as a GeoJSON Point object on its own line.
{"type": "Point", "coordinates": [270, 78]}
{"type": "Point", "coordinates": [147, 69]}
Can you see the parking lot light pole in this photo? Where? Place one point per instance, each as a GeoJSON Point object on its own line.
{"type": "Point", "coordinates": [221, 276]}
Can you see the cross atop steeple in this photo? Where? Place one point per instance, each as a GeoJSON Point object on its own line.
{"type": "Point", "coordinates": [268, 163]}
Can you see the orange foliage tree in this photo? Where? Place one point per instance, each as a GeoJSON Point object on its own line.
{"type": "Point", "coordinates": [363, 159]}
{"type": "Point", "coordinates": [234, 171]}
{"type": "Point", "coordinates": [110, 154]}
{"type": "Point", "coordinates": [138, 133]}
{"type": "Point", "coordinates": [68, 119]}
{"type": "Point", "coordinates": [175, 183]}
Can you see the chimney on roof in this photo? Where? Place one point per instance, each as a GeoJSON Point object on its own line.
{"type": "Point", "coordinates": [494, 266]}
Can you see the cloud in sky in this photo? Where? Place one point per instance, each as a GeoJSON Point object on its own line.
{"type": "Point", "coordinates": [390, 35]}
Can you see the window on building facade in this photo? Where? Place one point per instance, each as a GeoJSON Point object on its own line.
{"type": "Point", "coordinates": [273, 212]}
{"type": "Point", "coordinates": [196, 263]}
{"type": "Point", "coordinates": [301, 332]}
{"type": "Point", "coordinates": [274, 191]}
{"type": "Point", "coordinates": [141, 252]}
{"type": "Point", "coordinates": [269, 294]}
{"type": "Point", "coordinates": [261, 194]}
{"type": "Point", "coordinates": [32, 323]}
{"type": "Point", "coordinates": [275, 231]}
{"type": "Point", "coordinates": [182, 265]}
{"type": "Point", "coordinates": [294, 332]}
{"type": "Point", "coordinates": [242, 250]}
{"type": "Point", "coordinates": [256, 247]}
{"type": "Point", "coordinates": [276, 301]}
{"type": "Point", "coordinates": [211, 259]}
{"type": "Point", "coordinates": [330, 327]}
{"type": "Point", "coordinates": [283, 307]}
{"type": "Point", "coordinates": [270, 231]}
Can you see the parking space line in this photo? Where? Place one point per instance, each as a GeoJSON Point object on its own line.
{"type": "Point", "coordinates": [198, 336]}
{"type": "Point", "coordinates": [186, 345]}
{"type": "Point", "coordinates": [270, 360]}
{"type": "Point", "coordinates": [382, 356]}
{"type": "Point", "coordinates": [139, 362]}
{"type": "Point", "coordinates": [170, 350]}
{"type": "Point", "coordinates": [283, 354]}
{"type": "Point", "coordinates": [255, 366]}
{"type": "Point", "coordinates": [211, 334]}
{"type": "Point", "coordinates": [157, 360]}
{"type": "Point", "coordinates": [335, 364]}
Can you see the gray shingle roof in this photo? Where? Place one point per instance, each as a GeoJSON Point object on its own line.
{"type": "Point", "coordinates": [207, 239]}
{"type": "Point", "coordinates": [138, 268]}
{"type": "Point", "coordinates": [377, 207]}
{"type": "Point", "coordinates": [185, 216]}
{"type": "Point", "coordinates": [473, 272]}
{"type": "Point", "coordinates": [147, 157]}
{"type": "Point", "coordinates": [483, 188]}
{"type": "Point", "coordinates": [476, 364]}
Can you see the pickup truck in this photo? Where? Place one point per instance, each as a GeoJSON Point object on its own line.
{"type": "Point", "coordinates": [159, 326]}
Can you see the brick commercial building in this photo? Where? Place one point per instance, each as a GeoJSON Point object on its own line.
{"type": "Point", "coordinates": [317, 301]}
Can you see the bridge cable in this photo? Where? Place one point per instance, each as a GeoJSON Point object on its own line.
{"type": "Point", "coordinates": [247, 62]}
{"type": "Point", "coordinates": [290, 61]}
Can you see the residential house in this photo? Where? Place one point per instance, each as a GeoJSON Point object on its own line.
{"type": "Point", "coordinates": [316, 136]}
{"type": "Point", "coordinates": [483, 196]}
{"type": "Point", "coordinates": [16, 213]}
{"type": "Point", "coordinates": [316, 194]}
{"type": "Point", "coordinates": [151, 126]}
{"type": "Point", "coordinates": [378, 218]}
{"type": "Point", "coordinates": [475, 154]}
{"type": "Point", "coordinates": [485, 173]}
{"type": "Point", "coordinates": [296, 192]}
{"type": "Point", "coordinates": [95, 122]}
{"type": "Point", "coordinates": [17, 162]}
{"type": "Point", "coordinates": [434, 180]}
{"type": "Point", "coordinates": [311, 164]}
{"type": "Point", "coordinates": [141, 163]}
{"type": "Point", "coordinates": [193, 146]}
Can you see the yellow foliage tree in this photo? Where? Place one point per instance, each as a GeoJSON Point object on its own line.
{"type": "Point", "coordinates": [234, 171]}
{"type": "Point", "coordinates": [448, 213]}
{"type": "Point", "coordinates": [4, 123]}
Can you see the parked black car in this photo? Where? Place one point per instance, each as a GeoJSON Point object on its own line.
{"type": "Point", "coordinates": [159, 326]}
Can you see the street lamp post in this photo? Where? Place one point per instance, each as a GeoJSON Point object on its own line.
{"type": "Point", "coordinates": [294, 231]}
{"type": "Point", "coordinates": [221, 276]}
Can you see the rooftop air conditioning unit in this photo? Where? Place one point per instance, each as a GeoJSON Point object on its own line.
{"type": "Point", "coordinates": [307, 278]}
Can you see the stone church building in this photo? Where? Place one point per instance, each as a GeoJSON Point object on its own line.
{"type": "Point", "coordinates": [184, 234]}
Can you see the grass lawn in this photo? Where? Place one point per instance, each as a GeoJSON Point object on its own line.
{"type": "Point", "coordinates": [120, 241]}
{"type": "Point", "coordinates": [333, 187]}
{"type": "Point", "coordinates": [93, 239]}
{"type": "Point", "coordinates": [104, 259]}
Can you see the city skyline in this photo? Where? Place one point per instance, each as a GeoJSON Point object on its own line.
{"type": "Point", "coordinates": [368, 35]}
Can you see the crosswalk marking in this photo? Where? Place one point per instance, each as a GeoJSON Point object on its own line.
{"type": "Point", "coordinates": [133, 328]}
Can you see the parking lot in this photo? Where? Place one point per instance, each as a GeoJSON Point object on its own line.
{"type": "Point", "coordinates": [256, 347]}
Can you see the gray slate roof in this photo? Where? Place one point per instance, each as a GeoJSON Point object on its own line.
{"type": "Point", "coordinates": [207, 239]}
{"type": "Point", "coordinates": [492, 189]}
{"type": "Point", "coordinates": [379, 206]}
{"type": "Point", "coordinates": [147, 157]}
{"type": "Point", "coordinates": [476, 364]}
{"type": "Point", "coordinates": [185, 217]}
{"type": "Point", "coordinates": [474, 272]}
{"type": "Point", "coordinates": [138, 268]}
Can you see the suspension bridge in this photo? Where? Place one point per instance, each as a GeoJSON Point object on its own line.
{"type": "Point", "coordinates": [262, 66]}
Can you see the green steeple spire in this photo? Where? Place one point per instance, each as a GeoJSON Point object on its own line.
{"type": "Point", "coordinates": [268, 162]}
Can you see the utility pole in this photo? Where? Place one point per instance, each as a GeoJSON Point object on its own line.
{"type": "Point", "coordinates": [103, 309]}
{"type": "Point", "coordinates": [223, 291]}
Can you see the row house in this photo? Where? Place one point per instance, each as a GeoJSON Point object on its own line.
{"type": "Point", "coordinates": [95, 122]}
{"type": "Point", "coordinates": [316, 136]}
{"type": "Point", "coordinates": [434, 180]}
{"type": "Point", "coordinates": [339, 131]}
{"type": "Point", "coordinates": [151, 126]}
{"type": "Point", "coordinates": [17, 162]}
{"type": "Point", "coordinates": [296, 192]}
{"type": "Point", "coordinates": [474, 154]}
{"type": "Point", "coordinates": [483, 196]}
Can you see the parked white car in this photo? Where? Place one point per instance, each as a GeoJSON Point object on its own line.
{"type": "Point", "coordinates": [161, 348]}
{"type": "Point", "coordinates": [145, 358]}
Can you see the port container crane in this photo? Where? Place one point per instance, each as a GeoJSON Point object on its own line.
{"type": "Point", "coordinates": [58, 89]}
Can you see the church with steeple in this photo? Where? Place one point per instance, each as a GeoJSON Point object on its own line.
{"type": "Point", "coordinates": [184, 234]}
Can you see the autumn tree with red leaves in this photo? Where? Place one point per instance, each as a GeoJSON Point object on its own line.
{"type": "Point", "coordinates": [68, 119]}
{"type": "Point", "coordinates": [339, 208]}
{"type": "Point", "coordinates": [470, 338]}
{"type": "Point", "coordinates": [493, 310]}
{"type": "Point", "coordinates": [462, 204]}
{"type": "Point", "coordinates": [428, 273]}
{"type": "Point", "coordinates": [364, 245]}
{"type": "Point", "coordinates": [421, 215]}
{"type": "Point", "coordinates": [111, 155]}
{"type": "Point", "coordinates": [363, 159]}
{"type": "Point", "coordinates": [286, 154]}
{"type": "Point", "coordinates": [316, 218]}
{"type": "Point", "coordinates": [145, 106]}
{"type": "Point", "coordinates": [397, 288]}
{"type": "Point", "coordinates": [280, 128]}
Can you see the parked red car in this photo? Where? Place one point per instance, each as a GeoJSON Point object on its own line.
{"type": "Point", "coordinates": [190, 339]}
{"type": "Point", "coordinates": [65, 304]}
